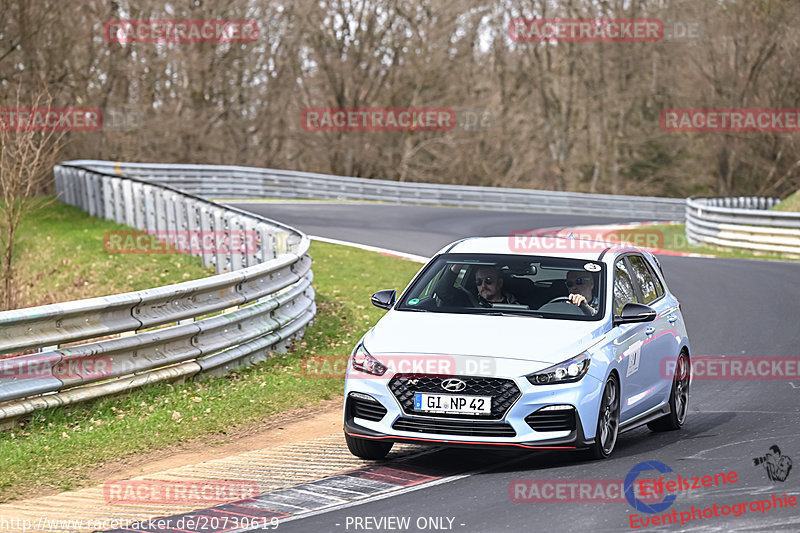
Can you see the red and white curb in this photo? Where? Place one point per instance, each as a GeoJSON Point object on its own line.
{"type": "Point", "coordinates": [354, 487]}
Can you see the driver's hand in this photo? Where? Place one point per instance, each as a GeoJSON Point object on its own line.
{"type": "Point", "coordinates": [576, 299]}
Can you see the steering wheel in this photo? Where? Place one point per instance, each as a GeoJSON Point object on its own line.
{"type": "Point", "coordinates": [458, 297]}
{"type": "Point", "coordinates": [584, 307]}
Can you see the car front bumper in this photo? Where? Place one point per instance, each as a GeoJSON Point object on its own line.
{"type": "Point", "coordinates": [512, 429]}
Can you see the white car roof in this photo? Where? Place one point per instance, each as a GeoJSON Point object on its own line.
{"type": "Point", "coordinates": [536, 245]}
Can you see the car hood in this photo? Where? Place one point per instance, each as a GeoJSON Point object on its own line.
{"type": "Point", "coordinates": [513, 337]}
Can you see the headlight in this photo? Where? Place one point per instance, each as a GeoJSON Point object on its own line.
{"type": "Point", "coordinates": [364, 362]}
{"type": "Point", "coordinates": [570, 370]}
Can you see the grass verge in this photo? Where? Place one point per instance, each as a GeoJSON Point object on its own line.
{"type": "Point", "coordinates": [675, 239]}
{"type": "Point", "coordinates": [61, 257]}
{"type": "Point", "coordinates": [792, 203]}
{"type": "Point", "coordinates": [57, 447]}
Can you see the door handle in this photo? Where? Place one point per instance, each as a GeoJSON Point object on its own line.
{"type": "Point", "coordinates": [672, 318]}
{"type": "Point", "coordinates": [650, 330]}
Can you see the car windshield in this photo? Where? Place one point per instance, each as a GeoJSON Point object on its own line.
{"type": "Point", "coordinates": [509, 285]}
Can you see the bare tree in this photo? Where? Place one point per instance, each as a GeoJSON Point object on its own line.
{"type": "Point", "coordinates": [27, 156]}
{"type": "Point", "coordinates": [577, 116]}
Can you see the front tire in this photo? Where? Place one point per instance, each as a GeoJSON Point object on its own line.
{"type": "Point", "coordinates": [605, 438]}
{"type": "Point", "coordinates": [678, 398]}
{"type": "Point", "coordinates": [367, 448]}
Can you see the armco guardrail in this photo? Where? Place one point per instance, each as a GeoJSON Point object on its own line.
{"type": "Point", "coordinates": [744, 223]}
{"type": "Point", "coordinates": [245, 182]}
{"type": "Point", "coordinates": [274, 279]}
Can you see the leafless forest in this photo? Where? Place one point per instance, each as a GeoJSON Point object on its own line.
{"type": "Point", "coordinates": [579, 116]}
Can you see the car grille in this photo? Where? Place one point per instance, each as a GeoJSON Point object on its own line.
{"type": "Point", "coordinates": [552, 420]}
{"type": "Point", "coordinates": [504, 392]}
{"type": "Point", "coordinates": [455, 427]}
{"type": "Point", "coordinates": [365, 409]}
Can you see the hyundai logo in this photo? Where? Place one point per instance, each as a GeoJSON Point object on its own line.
{"type": "Point", "coordinates": [453, 385]}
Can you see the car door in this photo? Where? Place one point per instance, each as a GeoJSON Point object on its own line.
{"type": "Point", "coordinates": [630, 339]}
{"type": "Point", "coordinates": [661, 347]}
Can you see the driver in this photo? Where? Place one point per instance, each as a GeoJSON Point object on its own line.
{"type": "Point", "coordinates": [580, 286]}
{"type": "Point", "coordinates": [490, 286]}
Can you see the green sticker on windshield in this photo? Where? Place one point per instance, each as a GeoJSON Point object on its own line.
{"type": "Point", "coordinates": [413, 301]}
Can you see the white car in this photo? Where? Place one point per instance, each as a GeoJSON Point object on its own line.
{"type": "Point", "coordinates": [461, 359]}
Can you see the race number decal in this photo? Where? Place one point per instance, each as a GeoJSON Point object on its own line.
{"type": "Point", "coordinates": [633, 353]}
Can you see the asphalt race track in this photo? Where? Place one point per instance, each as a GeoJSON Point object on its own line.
{"type": "Point", "coordinates": [732, 307]}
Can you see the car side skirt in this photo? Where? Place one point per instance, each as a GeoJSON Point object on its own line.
{"type": "Point", "coordinates": [644, 418]}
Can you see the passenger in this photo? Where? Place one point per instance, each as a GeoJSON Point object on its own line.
{"type": "Point", "coordinates": [580, 286]}
{"type": "Point", "coordinates": [490, 286]}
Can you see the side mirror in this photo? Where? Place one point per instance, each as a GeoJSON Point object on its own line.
{"type": "Point", "coordinates": [635, 312]}
{"type": "Point", "coordinates": [384, 299]}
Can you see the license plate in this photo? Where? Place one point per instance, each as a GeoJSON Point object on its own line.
{"type": "Point", "coordinates": [452, 404]}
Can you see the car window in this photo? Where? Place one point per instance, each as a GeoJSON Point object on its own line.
{"type": "Point", "coordinates": [656, 279]}
{"type": "Point", "coordinates": [644, 278]}
{"type": "Point", "coordinates": [623, 287]}
{"type": "Point", "coordinates": [510, 284]}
